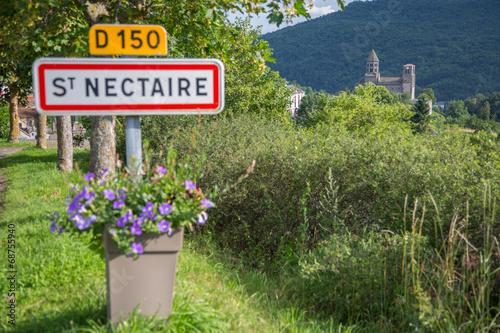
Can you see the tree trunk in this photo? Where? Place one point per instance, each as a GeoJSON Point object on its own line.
{"type": "Point", "coordinates": [102, 144]}
{"type": "Point", "coordinates": [64, 143]}
{"type": "Point", "coordinates": [14, 116]}
{"type": "Point", "coordinates": [41, 130]}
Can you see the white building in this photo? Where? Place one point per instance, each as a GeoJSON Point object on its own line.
{"type": "Point", "coordinates": [296, 97]}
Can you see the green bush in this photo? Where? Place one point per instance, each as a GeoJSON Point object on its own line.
{"type": "Point", "coordinates": [360, 171]}
{"type": "Point", "coordinates": [4, 121]}
{"type": "Point", "coordinates": [379, 172]}
{"type": "Point", "coordinates": [366, 107]}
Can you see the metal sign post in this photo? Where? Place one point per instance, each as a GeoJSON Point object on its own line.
{"type": "Point", "coordinates": [133, 143]}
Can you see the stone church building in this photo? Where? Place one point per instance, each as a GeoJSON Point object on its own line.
{"type": "Point", "coordinates": [396, 84]}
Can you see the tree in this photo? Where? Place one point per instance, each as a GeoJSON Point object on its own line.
{"type": "Point", "coordinates": [64, 143]}
{"type": "Point", "coordinates": [312, 103]}
{"type": "Point", "coordinates": [15, 63]}
{"type": "Point", "coordinates": [33, 29]}
{"type": "Point", "coordinates": [421, 114]}
{"type": "Point", "coordinates": [381, 94]}
{"type": "Point", "coordinates": [41, 131]}
{"type": "Point", "coordinates": [484, 111]}
{"type": "Point", "coordinates": [457, 109]}
{"type": "Point", "coordinates": [405, 98]}
{"type": "Point", "coordinates": [429, 94]}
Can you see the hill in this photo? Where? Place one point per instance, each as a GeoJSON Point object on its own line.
{"type": "Point", "coordinates": [454, 44]}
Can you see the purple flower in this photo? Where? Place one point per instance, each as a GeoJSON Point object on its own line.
{"type": "Point", "coordinates": [79, 196]}
{"type": "Point", "coordinates": [80, 222]}
{"type": "Point", "coordinates": [136, 230]}
{"type": "Point", "coordinates": [55, 215]}
{"type": "Point", "coordinates": [104, 172]}
{"type": "Point", "coordinates": [121, 222]}
{"type": "Point", "coordinates": [164, 225]}
{"type": "Point", "coordinates": [89, 196]}
{"type": "Point", "coordinates": [53, 227]}
{"type": "Point", "coordinates": [137, 248]}
{"type": "Point", "coordinates": [86, 188]}
{"type": "Point", "coordinates": [109, 194]}
{"type": "Point", "coordinates": [165, 209]}
{"type": "Point", "coordinates": [74, 188]}
{"type": "Point", "coordinates": [73, 208]}
{"type": "Point", "coordinates": [128, 217]}
{"type": "Point", "coordinates": [138, 221]}
{"type": "Point", "coordinates": [148, 208]}
{"type": "Point", "coordinates": [189, 185]}
{"type": "Point", "coordinates": [60, 231]}
{"type": "Point", "coordinates": [121, 194]}
{"type": "Point", "coordinates": [89, 176]}
{"type": "Point", "coordinates": [161, 170]}
{"type": "Point", "coordinates": [68, 199]}
{"type": "Point", "coordinates": [207, 203]}
{"type": "Point", "coordinates": [91, 219]}
{"type": "Point", "coordinates": [202, 218]}
{"type": "Point", "coordinates": [118, 204]}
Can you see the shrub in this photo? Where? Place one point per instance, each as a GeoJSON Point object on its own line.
{"type": "Point", "coordinates": [375, 170]}
{"type": "Point", "coordinates": [4, 121]}
{"type": "Point", "coordinates": [366, 107]}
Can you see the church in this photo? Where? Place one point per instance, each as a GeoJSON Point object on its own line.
{"type": "Point", "coordinates": [396, 84]}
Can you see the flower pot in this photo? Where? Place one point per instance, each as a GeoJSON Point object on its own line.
{"type": "Point", "coordinates": [147, 280]}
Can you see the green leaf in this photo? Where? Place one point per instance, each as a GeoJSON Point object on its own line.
{"type": "Point", "coordinates": [275, 17]}
{"type": "Point", "coordinates": [209, 14]}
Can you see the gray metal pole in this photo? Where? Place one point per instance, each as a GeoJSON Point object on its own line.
{"type": "Point", "coordinates": [133, 143]}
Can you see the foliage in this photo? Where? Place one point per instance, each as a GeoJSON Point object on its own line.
{"type": "Point", "coordinates": [336, 198]}
{"type": "Point", "coordinates": [346, 270]}
{"type": "Point", "coordinates": [4, 122]}
{"type": "Point", "coordinates": [481, 117]}
{"type": "Point", "coordinates": [367, 106]}
{"type": "Point", "coordinates": [484, 111]}
{"type": "Point", "coordinates": [249, 84]}
{"type": "Point", "coordinates": [457, 109]}
{"type": "Point", "coordinates": [475, 103]}
{"type": "Point", "coordinates": [35, 28]}
{"type": "Point", "coordinates": [428, 93]}
{"type": "Point", "coordinates": [437, 120]}
{"type": "Point", "coordinates": [126, 205]}
{"type": "Point", "coordinates": [311, 103]}
{"type": "Point", "coordinates": [421, 114]}
{"type": "Point", "coordinates": [452, 43]}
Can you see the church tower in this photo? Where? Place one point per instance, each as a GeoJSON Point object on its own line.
{"type": "Point", "coordinates": [372, 68]}
{"type": "Point", "coordinates": [409, 80]}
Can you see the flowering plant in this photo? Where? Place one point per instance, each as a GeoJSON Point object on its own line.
{"type": "Point", "coordinates": [155, 202]}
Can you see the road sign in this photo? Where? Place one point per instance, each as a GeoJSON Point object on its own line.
{"type": "Point", "coordinates": [105, 86]}
{"type": "Point", "coordinates": [127, 39]}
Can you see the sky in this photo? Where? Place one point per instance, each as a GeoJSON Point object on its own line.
{"type": "Point", "coordinates": [320, 8]}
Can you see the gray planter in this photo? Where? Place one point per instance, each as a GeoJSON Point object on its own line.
{"type": "Point", "coordinates": [148, 279]}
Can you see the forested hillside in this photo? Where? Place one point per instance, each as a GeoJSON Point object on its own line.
{"type": "Point", "coordinates": [454, 44]}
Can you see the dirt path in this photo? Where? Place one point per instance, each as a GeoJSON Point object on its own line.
{"type": "Point", "coordinates": [4, 152]}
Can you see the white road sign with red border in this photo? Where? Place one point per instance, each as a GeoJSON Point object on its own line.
{"type": "Point", "coordinates": [95, 86]}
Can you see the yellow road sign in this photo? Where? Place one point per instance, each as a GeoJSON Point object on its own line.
{"type": "Point", "coordinates": [127, 39]}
